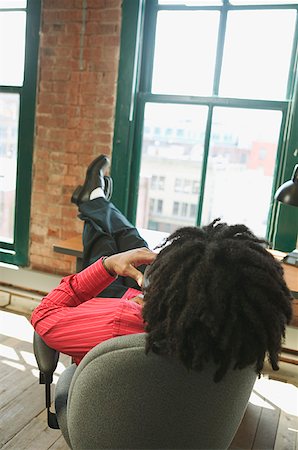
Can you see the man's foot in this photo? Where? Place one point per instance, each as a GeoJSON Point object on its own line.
{"type": "Point", "coordinates": [94, 179]}
{"type": "Point", "coordinates": [108, 189]}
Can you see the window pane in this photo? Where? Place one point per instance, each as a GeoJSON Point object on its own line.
{"type": "Point", "coordinates": [13, 4]}
{"type": "Point", "coordinates": [262, 2]}
{"type": "Point", "coordinates": [257, 54]}
{"type": "Point", "coordinates": [175, 208]}
{"type": "Point", "coordinates": [193, 210]}
{"type": "Point", "coordinates": [12, 47]}
{"type": "Point", "coordinates": [185, 49]}
{"type": "Point", "coordinates": [176, 159]}
{"type": "Point", "coordinates": [241, 166]}
{"type": "Point", "coordinates": [191, 2]}
{"type": "Point", "coordinates": [9, 118]}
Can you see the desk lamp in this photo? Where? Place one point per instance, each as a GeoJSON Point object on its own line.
{"type": "Point", "coordinates": [287, 193]}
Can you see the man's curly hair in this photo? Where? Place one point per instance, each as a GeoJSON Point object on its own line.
{"type": "Point", "coordinates": [216, 293]}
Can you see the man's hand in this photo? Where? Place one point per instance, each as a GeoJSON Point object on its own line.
{"type": "Point", "coordinates": [138, 299]}
{"type": "Point", "coordinates": [124, 264]}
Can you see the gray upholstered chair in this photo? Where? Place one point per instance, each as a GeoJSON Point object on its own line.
{"type": "Point", "coordinates": [120, 398]}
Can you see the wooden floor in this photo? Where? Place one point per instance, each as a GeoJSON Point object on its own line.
{"type": "Point", "coordinates": [270, 422]}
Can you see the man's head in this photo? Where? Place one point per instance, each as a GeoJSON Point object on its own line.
{"type": "Point", "coordinates": [216, 293]}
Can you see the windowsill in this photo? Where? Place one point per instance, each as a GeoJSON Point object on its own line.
{"type": "Point", "coordinates": [152, 237]}
{"type": "Point", "coordinates": [27, 279]}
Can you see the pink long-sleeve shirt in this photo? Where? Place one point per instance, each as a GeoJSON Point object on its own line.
{"type": "Point", "coordinates": [72, 320]}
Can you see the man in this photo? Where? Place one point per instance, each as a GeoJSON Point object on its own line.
{"type": "Point", "coordinates": [214, 292]}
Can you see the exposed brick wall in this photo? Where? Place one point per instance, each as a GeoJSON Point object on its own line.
{"type": "Point", "coordinates": [76, 99]}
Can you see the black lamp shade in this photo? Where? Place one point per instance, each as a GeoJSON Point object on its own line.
{"type": "Point", "coordinates": [288, 192]}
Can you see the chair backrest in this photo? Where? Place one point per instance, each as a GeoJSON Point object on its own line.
{"type": "Point", "coordinates": [120, 398]}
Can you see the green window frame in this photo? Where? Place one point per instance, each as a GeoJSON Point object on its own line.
{"type": "Point", "coordinates": [134, 91]}
{"type": "Point", "coordinates": [17, 251]}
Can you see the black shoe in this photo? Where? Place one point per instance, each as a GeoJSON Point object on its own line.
{"type": "Point", "coordinates": [94, 179]}
{"type": "Point", "coordinates": [108, 190]}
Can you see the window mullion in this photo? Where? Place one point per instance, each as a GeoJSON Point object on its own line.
{"type": "Point", "coordinates": [204, 164]}
{"type": "Point", "coordinates": [17, 251]}
{"type": "Point", "coordinates": [293, 63]}
{"type": "Point", "coordinates": [26, 133]}
{"type": "Point", "coordinates": [283, 231]}
{"type": "Point", "coordinates": [220, 49]}
{"type": "Point", "coordinates": [273, 210]}
{"type": "Point", "coordinates": [144, 96]}
{"type": "Point", "coordinates": [283, 220]}
{"type": "Point", "coordinates": [215, 101]}
{"type": "Point", "coordinates": [136, 143]}
{"type": "Point", "coordinates": [148, 46]}
{"type": "Point", "coordinates": [132, 13]}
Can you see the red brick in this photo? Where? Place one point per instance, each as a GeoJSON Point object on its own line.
{"type": "Point", "coordinates": [74, 117]}
{"type": "Point", "coordinates": [111, 15]}
{"type": "Point", "coordinates": [102, 65]}
{"type": "Point", "coordinates": [58, 4]}
{"type": "Point", "coordinates": [38, 230]}
{"type": "Point", "coordinates": [36, 238]}
{"type": "Point", "coordinates": [93, 54]}
{"type": "Point", "coordinates": [69, 40]}
{"type": "Point", "coordinates": [48, 41]}
{"type": "Point", "coordinates": [73, 28]}
{"type": "Point", "coordinates": [55, 233]}
{"type": "Point", "coordinates": [102, 29]}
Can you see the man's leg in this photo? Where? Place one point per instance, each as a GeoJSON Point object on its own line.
{"type": "Point", "coordinates": [107, 231]}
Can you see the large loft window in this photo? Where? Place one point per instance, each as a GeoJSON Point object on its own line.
{"type": "Point", "coordinates": [212, 105]}
{"type": "Point", "coordinates": [19, 32]}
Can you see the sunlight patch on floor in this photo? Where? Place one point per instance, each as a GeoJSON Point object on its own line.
{"type": "Point", "coordinates": [13, 364]}
{"type": "Point", "coordinates": [20, 330]}
{"type": "Point", "coordinates": [275, 394]}
{"type": "Point", "coordinates": [8, 352]}
{"type": "Point", "coordinates": [16, 326]}
{"type": "Point", "coordinates": [60, 368]}
{"type": "Point", "coordinates": [35, 373]}
{"type": "Point", "coordinates": [257, 400]}
{"type": "Point", "coordinates": [29, 358]}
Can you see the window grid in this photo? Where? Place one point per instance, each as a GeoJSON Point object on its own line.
{"type": "Point", "coordinates": [285, 158]}
{"type": "Point", "coordinates": [17, 251]}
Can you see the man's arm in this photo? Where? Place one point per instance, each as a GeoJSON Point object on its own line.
{"type": "Point", "coordinates": [71, 292]}
{"type": "Point", "coordinates": [70, 320]}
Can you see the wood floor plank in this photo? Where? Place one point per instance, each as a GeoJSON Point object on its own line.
{"type": "Point", "coordinates": [12, 386]}
{"type": "Point", "coordinates": [8, 368]}
{"type": "Point", "coordinates": [34, 436]}
{"type": "Point", "coordinates": [17, 414]}
{"type": "Point", "coordinates": [267, 429]}
{"type": "Point", "coordinates": [60, 444]}
{"type": "Point", "coordinates": [287, 432]}
{"type": "Point", "coordinates": [245, 435]}
{"type": "Point", "coordinates": [16, 325]}
{"type": "Point", "coordinates": [12, 353]}
{"type": "Point", "coordinates": [18, 369]}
